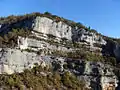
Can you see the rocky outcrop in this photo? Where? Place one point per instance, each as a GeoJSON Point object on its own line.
{"type": "Point", "coordinates": [48, 36]}
{"type": "Point", "coordinates": [90, 37]}
{"type": "Point", "coordinates": [62, 30]}
{"type": "Point", "coordinates": [59, 29]}
{"type": "Point", "coordinates": [13, 60]}
{"type": "Point", "coordinates": [95, 74]}
{"type": "Point", "coordinates": [48, 26]}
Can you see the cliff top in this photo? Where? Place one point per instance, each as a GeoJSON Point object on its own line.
{"type": "Point", "coordinates": [15, 19]}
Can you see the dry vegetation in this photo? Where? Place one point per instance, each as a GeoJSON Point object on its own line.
{"type": "Point", "coordinates": [49, 80]}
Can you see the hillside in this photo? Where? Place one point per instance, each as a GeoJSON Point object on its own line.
{"type": "Point", "coordinates": [47, 52]}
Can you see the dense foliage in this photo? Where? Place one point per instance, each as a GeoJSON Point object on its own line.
{"type": "Point", "coordinates": [10, 39]}
{"type": "Point", "coordinates": [41, 79]}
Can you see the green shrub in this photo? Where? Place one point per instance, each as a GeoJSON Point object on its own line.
{"type": "Point", "coordinates": [47, 13]}
{"type": "Point", "coordinates": [10, 81]}
{"type": "Point", "coordinates": [33, 80]}
{"type": "Point", "coordinates": [93, 57]}
{"type": "Point", "coordinates": [72, 82]}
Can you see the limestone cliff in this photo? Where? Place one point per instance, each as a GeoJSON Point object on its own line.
{"type": "Point", "coordinates": [57, 44]}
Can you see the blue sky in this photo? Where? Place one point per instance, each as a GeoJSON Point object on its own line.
{"type": "Point", "coordinates": [102, 15]}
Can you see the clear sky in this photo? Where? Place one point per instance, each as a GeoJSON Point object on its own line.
{"type": "Point", "coordinates": [102, 15]}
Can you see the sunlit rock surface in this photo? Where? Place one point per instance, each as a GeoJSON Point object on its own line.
{"type": "Point", "coordinates": [95, 74]}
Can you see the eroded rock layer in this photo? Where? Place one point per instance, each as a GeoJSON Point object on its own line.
{"type": "Point", "coordinates": [56, 44]}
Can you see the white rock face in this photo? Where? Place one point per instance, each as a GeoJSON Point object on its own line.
{"type": "Point", "coordinates": [48, 26]}
{"type": "Point", "coordinates": [36, 45]}
{"type": "Point", "coordinates": [106, 71]}
{"type": "Point", "coordinates": [62, 30]}
{"type": "Point", "coordinates": [107, 82]}
{"type": "Point", "coordinates": [87, 36]}
{"type": "Point", "coordinates": [22, 42]}
{"type": "Point", "coordinates": [13, 60]}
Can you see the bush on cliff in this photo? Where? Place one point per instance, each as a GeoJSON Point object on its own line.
{"type": "Point", "coordinates": [41, 79]}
